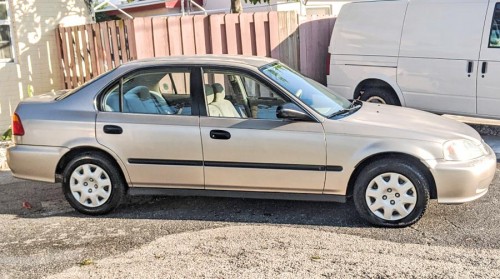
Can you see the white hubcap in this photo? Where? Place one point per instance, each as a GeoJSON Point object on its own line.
{"type": "Point", "coordinates": [391, 196]}
{"type": "Point", "coordinates": [376, 99]}
{"type": "Point", "coordinates": [90, 185]}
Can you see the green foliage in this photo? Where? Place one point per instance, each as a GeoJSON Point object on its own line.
{"type": "Point", "coordinates": [30, 90]}
{"type": "Point", "coordinates": [7, 135]}
{"type": "Point", "coordinates": [86, 262]}
{"type": "Point", "coordinates": [100, 17]}
{"type": "Point", "coordinates": [236, 6]}
{"type": "Point", "coordinates": [256, 1]}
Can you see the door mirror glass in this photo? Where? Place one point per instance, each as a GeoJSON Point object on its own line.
{"type": "Point", "coordinates": [293, 112]}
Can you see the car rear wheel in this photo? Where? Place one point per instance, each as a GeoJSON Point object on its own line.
{"type": "Point", "coordinates": [92, 184]}
{"type": "Point", "coordinates": [391, 193]}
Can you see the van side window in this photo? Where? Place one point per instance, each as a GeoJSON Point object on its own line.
{"type": "Point", "coordinates": [495, 28]}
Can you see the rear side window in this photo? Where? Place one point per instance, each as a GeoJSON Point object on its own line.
{"type": "Point", "coordinates": [495, 28]}
{"type": "Point", "coordinates": [151, 92]}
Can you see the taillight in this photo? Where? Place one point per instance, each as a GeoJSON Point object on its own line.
{"type": "Point", "coordinates": [328, 57]}
{"type": "Point", "coordinates": [17, 125]}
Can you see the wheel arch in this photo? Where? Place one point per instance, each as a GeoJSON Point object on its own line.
{"type": "Point", "coordinates": [72, 153]}
{"type": "Point", "coordinates": [379, 82]}
{"type": "Point", "coordinates": [375, 157]}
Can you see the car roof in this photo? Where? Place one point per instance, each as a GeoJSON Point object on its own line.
{"type": "Point", "coordinates": [207, 59]}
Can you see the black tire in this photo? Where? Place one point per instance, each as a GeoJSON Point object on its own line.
{"type": "Point", "coordinates": [117, 188]}
{"type": "Point", "coordinates": [380, 95]}
{"type": "Point", "coordinates": [378, 168]}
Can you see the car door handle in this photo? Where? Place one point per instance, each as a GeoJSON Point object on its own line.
{"type": "Point", "coordinates": [220, 134]}
{"type": "Point", "coordinates": [112, 129]}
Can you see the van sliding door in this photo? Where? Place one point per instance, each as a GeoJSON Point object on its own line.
{"type": "Point", "coordinates": [439, 54]}
{"type": "Point", "coordinates": [488, 85]}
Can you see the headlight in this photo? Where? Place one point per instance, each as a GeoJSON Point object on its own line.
{"type": "Point", "coordinates": [463, 150]}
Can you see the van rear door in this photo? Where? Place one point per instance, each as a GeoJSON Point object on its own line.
{"type": "Point", "coordinates": [439, 54]}
{"type": "Point", "coordinates": [488, 85]}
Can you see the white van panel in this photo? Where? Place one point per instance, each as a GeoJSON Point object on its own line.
{"type": "Point", "coordinates": [371, 29]}
{"type": "Point", "coordinates": [488, 85]}
{"type": "Point", "coordinates": [443, 29]}
{"type": "Point", "coordinates": [347, 78]}
{"type": "Point", "coordinates": [365, 60]}
{"type": "Point", "coordinates": [440, 39]}
{"type": "Point", "coordinates": [441, 85]}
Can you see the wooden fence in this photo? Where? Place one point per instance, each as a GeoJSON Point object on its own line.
{"type": "Point", "coordinates": [89, 50]}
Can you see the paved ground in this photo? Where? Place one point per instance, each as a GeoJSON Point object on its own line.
{"type": "Point", "coordinates": [183, 237]}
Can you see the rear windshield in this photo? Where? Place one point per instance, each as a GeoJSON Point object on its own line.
{"type": "Point", "coordinates": [71, 92]}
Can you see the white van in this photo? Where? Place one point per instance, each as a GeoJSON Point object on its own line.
{"type": "Point", "coordinates": [435, 55]}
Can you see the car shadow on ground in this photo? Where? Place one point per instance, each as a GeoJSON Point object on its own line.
{"type": "Point", "coordinates": [472, 224]}
{"type": "Point", "coordinates": [27, 199]}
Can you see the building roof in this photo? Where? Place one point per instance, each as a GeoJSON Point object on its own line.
{"type": "Point", "coordinates": [135, 4]}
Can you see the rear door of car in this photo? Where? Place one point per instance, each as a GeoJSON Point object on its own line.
{"type": "Point", "coordinates": [245, 146]}
{"type": "Point", "coordinates": [149, 119]}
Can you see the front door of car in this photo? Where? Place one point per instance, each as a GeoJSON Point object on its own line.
{"type": "Point", "coordinates": [147, 119]}
{"type": "Point", "coordinates": [488, 85]}
{"type": "Point", "coordinates": [245, 146]}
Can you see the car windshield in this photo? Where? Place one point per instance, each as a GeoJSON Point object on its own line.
{"type": "Point", "coordinates": [310, 92]}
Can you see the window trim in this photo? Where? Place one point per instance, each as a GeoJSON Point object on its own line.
{"type": "Point", "coordinates": [497, 7]}
{"type": "Point", "coordinates": [8, 22]}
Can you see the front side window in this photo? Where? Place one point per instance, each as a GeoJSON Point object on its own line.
{"type": "Point", "coordinates": [151, 92]}
{"type": "Point", "coordinates": [495, 28]}
{"type": "Point", "coordinates": [237, 95]}
{"type": "Point", "coordinates": [310, 92]}
{"type": "Point", "coordinates": [6, 54]}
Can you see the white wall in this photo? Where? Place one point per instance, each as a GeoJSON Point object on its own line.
{"type": "Point", "coordinates": [35, 65]}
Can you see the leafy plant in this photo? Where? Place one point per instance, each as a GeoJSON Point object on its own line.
{"type": "Point", "coordinates": [86, 262]}
{"type": "Point", "coordinates": [236, 6]}
{"type": "Point", "coordinates": [256, 1]}
{"type": "Point", "coordinates": [30, 90]}
{"type": "Point", "coordinates": [7, 135]}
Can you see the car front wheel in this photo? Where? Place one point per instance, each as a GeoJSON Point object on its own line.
{"type": "Point", "coordinates": [92, 184]}
{"type": "Point", "coordinates": [391, 193]}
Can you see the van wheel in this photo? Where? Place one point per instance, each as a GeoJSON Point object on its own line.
{"type": "Point", "coordinates": [380, 96]}
{"type": "Point", "coordinates": [92, 184]}
{"type": "Point", "coordinates": [391, 193]}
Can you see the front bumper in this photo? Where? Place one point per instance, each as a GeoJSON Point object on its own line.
{"type": "Point", "coordinates": [460, 182]}
{"type": "Point", "coordinates": [34, 162]}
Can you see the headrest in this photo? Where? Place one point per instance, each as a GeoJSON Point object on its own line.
{"type": "Point", "coordinates": [141, 91]}
{"type": "Point", "coordinates": [209, 92]}
{"type": "Point", "coordinates": [220, 94]}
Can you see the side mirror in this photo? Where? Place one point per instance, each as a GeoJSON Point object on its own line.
{"type": "Point", "coordinates": [293, 112]}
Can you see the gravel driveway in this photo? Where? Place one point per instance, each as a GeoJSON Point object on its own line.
{"type": "Point", "coordinates": [179, 237]}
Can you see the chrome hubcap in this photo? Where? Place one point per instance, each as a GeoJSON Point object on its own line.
{"type": "Point", "coordinates": [391, 196]}
{"type": "Point", "coordinates": [90, 185]}
{"type": "Point", "coordinates": [376, 99]}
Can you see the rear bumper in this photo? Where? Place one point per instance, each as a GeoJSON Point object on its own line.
{"type": "Point", "coordinates": [34, 162]}
{"type": "Point", "coordinates": [460, 182]}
